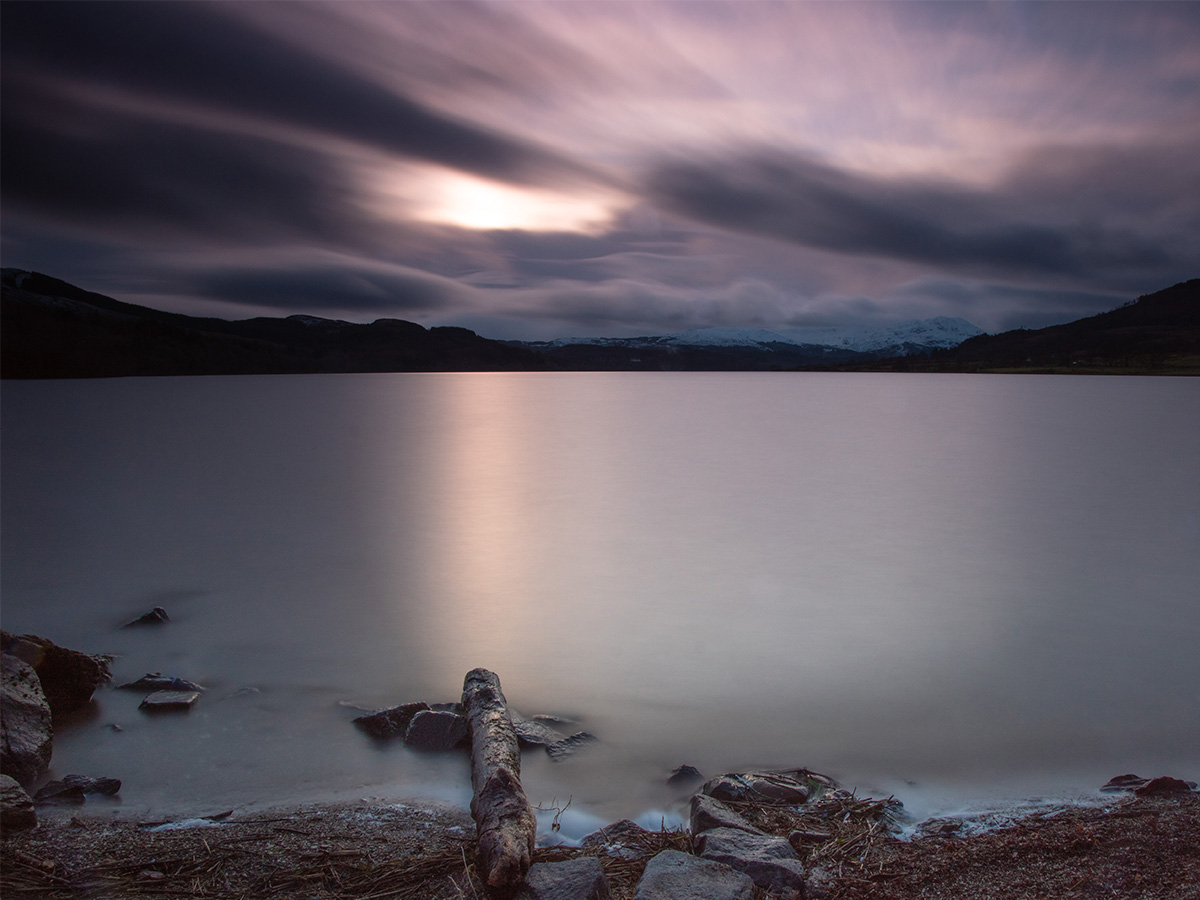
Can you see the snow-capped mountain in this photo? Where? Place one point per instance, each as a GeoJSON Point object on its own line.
{"type": "Point", "coordinates": [899, 339]}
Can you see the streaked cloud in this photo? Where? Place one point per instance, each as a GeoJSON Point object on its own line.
{"type": "Point", "coordinates": [552, 168]}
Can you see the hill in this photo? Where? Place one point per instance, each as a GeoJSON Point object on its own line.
{"type": "Point", "coordinates": [755, 349]}
{"type": "Point", "coordinates": [52, 329]}
{"type": "Point", "coordinates": [1157, 334]}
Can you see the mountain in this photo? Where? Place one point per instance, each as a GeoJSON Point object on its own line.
{"type": "Point", "coordinates": [52, 329]}
{"type": "Point", "coordinates": [732, 348]}
{"type": "Point", "coordinates": [1158, 333]}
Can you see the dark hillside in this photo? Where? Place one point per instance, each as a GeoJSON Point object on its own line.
{"type": "Point", "coordinates": [52, 329]}
{"type": "Point", "coordinates": [1159, 333]}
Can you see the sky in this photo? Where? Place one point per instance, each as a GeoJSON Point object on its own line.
{"type": "Point", "coordinates": [543, 170]}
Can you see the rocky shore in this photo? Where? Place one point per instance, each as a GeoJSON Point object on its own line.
{"type": "Point", "coordinates": [1134, 848]}
{"type": "Point", "coordinates": [750, 836]}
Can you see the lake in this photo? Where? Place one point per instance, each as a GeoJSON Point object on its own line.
{"type": "Point", "coordinates": [961, 590]}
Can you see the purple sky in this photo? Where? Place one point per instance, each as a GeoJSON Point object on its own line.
{"type": "Point", "coordinates": [542, 170]}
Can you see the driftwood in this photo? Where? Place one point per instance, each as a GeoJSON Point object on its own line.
{"type": "Point", "coordinates": [504, 820]}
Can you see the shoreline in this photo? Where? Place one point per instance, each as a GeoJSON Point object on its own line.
{"type": "Point", "coordinates": [1142, 847]}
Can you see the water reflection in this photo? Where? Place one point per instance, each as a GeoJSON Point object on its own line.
{"type": "Point", "coordinates": [921, 578]}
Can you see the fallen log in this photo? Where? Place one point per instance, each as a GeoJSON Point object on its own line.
{"type": "Point", "coordinates": [504, 821]}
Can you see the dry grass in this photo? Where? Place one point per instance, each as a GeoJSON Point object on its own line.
{"type": "Point", "coordinates": [1141, 850]}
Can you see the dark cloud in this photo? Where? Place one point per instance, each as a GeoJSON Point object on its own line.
{"type": "Point", "coordinates": [159, 179]}
{"type": "Point", "coordinates": [804, 201]}
{"type": "Point", "coordinates": [198, 54]}
{"type": "Point", "coordinates": [348, 287]}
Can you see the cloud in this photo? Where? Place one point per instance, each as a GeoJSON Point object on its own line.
{"type": "Point", "coordinates": [156, 179]}
{"type": "Point", "coordinates": [351, 286]}
{"type": "Point", "coordinates": [805, 201]}
{"type": "Point", "coordinates": [203, 56]}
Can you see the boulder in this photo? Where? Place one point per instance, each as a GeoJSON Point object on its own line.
{"type": "Point", "coordinates": [58, 792]}
{"type": "Point", "coordinates": [623, 839]}
{"type": "Point", "coordinates": [76, 786]}
{"type": "Point", "coordinates": [156, 616]}
{"type": "Point", "coordinates": [760, 787]}
{"type": "Point", "coordinates": [769, 861]}
{"type": "Point", "coordinates": [1123, 783]}
{"type": "Point", "coordinates": [1163, 785]}
{"type": "Point", "coordinates": [672, 875]}
{"type": "Point", "coordinates": [390, 723]}
{"type": "Point", "coordinates": [169, 701]}
{"type": "Point", "coordinates": [708, 813]}
{"type": "Point", "coordinates": [438, 731]}
{"type": "Point", "coordinates": [569, 746]}
{"type": "Point", "coordinates": [16, 807]}
{"type": "Point", "coordinates": [572, 879]}
{"type": "Point", "coordinates": [685, 776]}
{"type": "Point", "coordinates": [25, 722]}
{"type": "Point", "coordinates": [156, 681]}
{"type": "Point", "coordinates": [69, 678]}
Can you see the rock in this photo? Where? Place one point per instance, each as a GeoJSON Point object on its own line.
{"type": "Point", "coordinates": [533, 733]}
{"type": "Point", "coordinates": [16, 806]}
{"type": "Point", "coordinates": [708, 813]}
{"type": "Point", "coordinates": [1124, 783]}
{"type": "Point", "coordinates": [430, 730]}
{"type": "Point", "coordinates": [620, 839]}
{"type": "Point", "coordinates": [156, 681]}
{"type": "Point", "coordinates": [685, 776]}
{"type": "Point", "coordinates": [25, 723]}
{"type": "Point", "coordinates": [769, 861]}
{"type": "Point", "coordinates": [72, 786]}
{"type": "Point", "coordinates": [392, 722]}
{"type": "Point", "coordinates": [672, 875]}
{"type": "Point", "coordinates": [940, 827]}
{"type": "Point", "coordinates": [572, 879]}
{"type": "Point", "coordinates": [818, 883]}
{"type": "Point", "coordinates": [156, 616]}
{"type": "Point", "coordinates": [169, 701]}
{"type": "Point", "coordinates": [761, 787]}
{"type": "Point", "coordinates": [569, 746]}
{"type": "Point", "coordinates": [58, 792]}
{"type": "Point", "coordinates": [1161, 786]}
{"type": "Point", "coordinates": [69, 678]}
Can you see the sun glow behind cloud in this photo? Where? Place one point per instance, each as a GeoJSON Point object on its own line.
{"type": "Point", "coordinates": [445, 197]}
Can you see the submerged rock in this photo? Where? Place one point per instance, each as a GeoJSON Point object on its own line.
{"type": "Point", "coordinates": [68, 677]}
{"type": "Point", "coordinates": [156, 681]}
{"type": "Point", "coordinates": [673, 875]}
{"type": "Point", "coordinates": [569, 746]}
{"type": "Point", "coordinates": [169, 701]}
{"type": "Point", "coordinates": [25, 723]}
{"type": "Point", "coordinates": [1124, 783]}
{"type": "Point", "coordinates": [534, 733]}
{"type": "Point", "coordinates": [685, 776]}
{"type": "Point", "coordinates": [16, 806]}
{"type": "Point", "coordinates": [156, 616]}
{"type": "Point", "coordinates": [390, 723]}
{"type": "Point", "coordinates": [76, 786]}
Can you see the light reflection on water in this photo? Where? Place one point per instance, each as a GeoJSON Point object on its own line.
{"type": "Point", "coordinates": [973, 584]}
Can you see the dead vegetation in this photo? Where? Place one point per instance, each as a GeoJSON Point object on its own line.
{"type": "Point", "coordinates": [1143, 849]}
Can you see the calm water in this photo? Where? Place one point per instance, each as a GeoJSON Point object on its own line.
{"type": "Point", "coordinates": [950, 588]}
